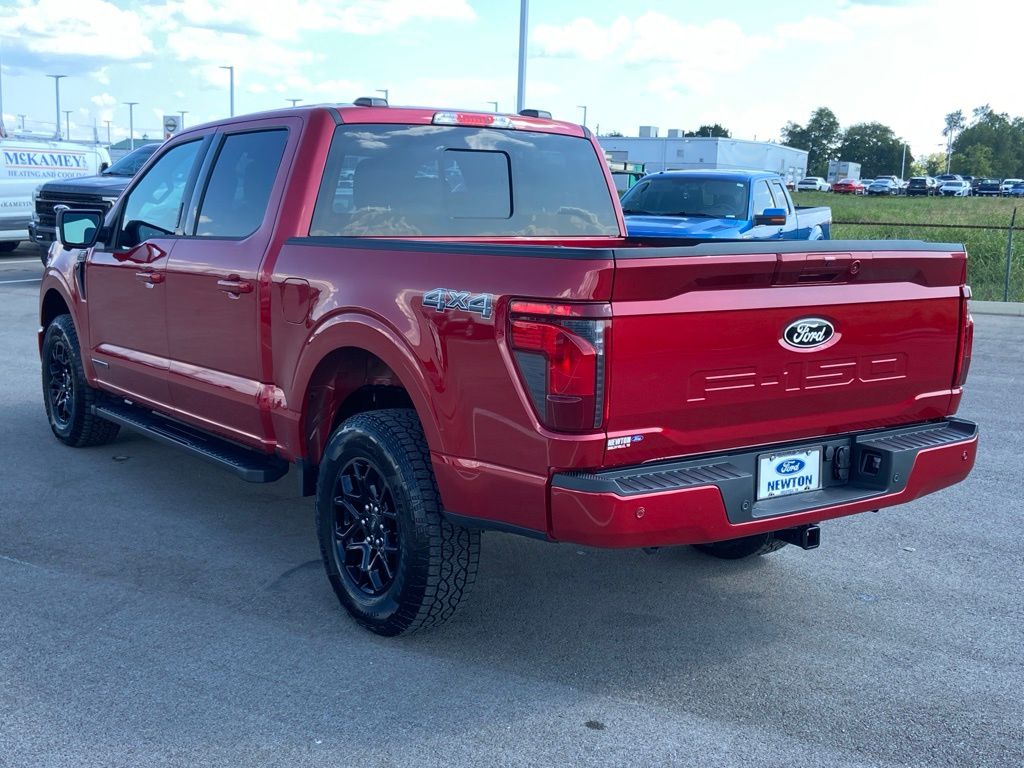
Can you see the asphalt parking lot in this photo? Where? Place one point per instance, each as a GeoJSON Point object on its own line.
{"type": "Point", "coordinates": [155, 611]}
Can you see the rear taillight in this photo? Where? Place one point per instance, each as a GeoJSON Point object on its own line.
{"type": "Point", "coordinates": [966, 347]}
{"type": "Point", "coordinates": [559, 350]}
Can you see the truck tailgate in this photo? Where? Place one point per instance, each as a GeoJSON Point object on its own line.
{"type": "Point", "coordinates": [698, 362]}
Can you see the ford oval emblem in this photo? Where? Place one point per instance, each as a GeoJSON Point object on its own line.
{"type": "Point", "coordinates": [808, 332]}
{"type": "Point", "coordinates": [790, 466]}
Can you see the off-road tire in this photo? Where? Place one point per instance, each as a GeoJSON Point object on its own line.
{"type": "Point", "coordinates": [72, 420]}
{"type": "Point", "coordinates": [436, 561]}
{"type": "Point", "coordinates": [737, 549]}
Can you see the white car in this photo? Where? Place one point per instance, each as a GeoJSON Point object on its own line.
{"type": "Point", "coordinates": [1007, 185]}
{"type": "Point", "coordinates": [955, 189]}
{"type": "Point", "coordinates": [813, 184]}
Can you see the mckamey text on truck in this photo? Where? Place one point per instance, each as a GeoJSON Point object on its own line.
{"type": "Point", "coordinates": [435, 319]}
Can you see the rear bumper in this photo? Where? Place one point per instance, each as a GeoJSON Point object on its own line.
{"type": "Point", "coordinates": [714, 498]}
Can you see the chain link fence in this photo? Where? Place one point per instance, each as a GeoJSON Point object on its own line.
{"type": "Point", "coordinates": [995, 254]}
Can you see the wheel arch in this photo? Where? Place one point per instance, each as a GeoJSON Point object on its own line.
{"type": "Point", "coordinates": [55, 300]}
{"type": "Point", "coordinates": [354, 364]}
{"type": "Point", "coordinates": [52, 305]}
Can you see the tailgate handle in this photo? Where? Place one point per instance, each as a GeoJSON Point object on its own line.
{"type": "Point", "coordinates": [796, 269]}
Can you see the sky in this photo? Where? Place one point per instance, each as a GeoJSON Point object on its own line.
{"type": "Point", "coordinates": [747, 64]}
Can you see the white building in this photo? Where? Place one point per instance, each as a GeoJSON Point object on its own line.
{"type": "Point", "coordinates": [675, 152]}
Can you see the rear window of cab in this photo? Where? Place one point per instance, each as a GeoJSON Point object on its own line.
{"type": "Point", "coordinates": [456, 181]}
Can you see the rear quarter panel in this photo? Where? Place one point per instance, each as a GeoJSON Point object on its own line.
{"type": "Point", "coordinates": [457, 359]}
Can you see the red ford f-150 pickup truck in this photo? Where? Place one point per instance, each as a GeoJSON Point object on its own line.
{"type": "Point", "coordinates": [437, 320]}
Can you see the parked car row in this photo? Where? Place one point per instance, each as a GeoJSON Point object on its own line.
{"type": "Point", "coordinates": [945, 185]}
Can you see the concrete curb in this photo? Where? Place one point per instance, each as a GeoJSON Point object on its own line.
{"type": "Point", "coordinates": [1012, 308]}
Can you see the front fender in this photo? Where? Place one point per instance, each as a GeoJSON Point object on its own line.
{"type": "Point", "coordinates": [58, 278]}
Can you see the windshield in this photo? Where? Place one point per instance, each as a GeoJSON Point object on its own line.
{"type": "Point", "coordinates": [688, 196]}
{"type": "Point", "coordinates": [130, 164]}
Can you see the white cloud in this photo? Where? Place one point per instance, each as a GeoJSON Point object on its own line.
{"type": "Point", "coordinates": [691, 56]}
{"type": "Point", "coordinates": [581, 38]}
{"type": "Point", "coordinates": [57, 29]}
{"type": "Point", "coordinates": [103, 100]}
{"type": "Point", "coordinates": [287, 19]}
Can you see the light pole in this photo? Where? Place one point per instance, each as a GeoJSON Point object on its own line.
{"type": "Point", "coordinates": [108, 131]}
{"type": "Point", "coordinates": [22, 118]}
{"type": "Point", "coordinates": [495, 105]}
{"type": "Point", "coordinates": [385, 92]}
{"type": "Point", "coordinates": [67, 123]}
{"type": "Point", "coordinates": [56, 85]}
{"type": "Point", "coordinates": [584, 108]}
{"type": "Point", "coordinates": [182, 113]}
{"type": "Point", "coordinates": [231, 72]}
{"type": "Point", "coordinates": [294, 101]}
{"type": "Point", "coordinates": [903, 165]}
{"type": "Point", "coordinates": [524, 11]}
{"type": "Point", "coordinates": [131, 123]}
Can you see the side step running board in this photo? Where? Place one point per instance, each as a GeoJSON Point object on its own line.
{"type": "Point", "coordinates": [251, 466]}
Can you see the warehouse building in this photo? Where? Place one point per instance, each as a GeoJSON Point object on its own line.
{"type": "Point", "coordinates": [676, 152]}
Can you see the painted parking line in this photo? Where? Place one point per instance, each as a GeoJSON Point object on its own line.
{"type": "Point", "coordinates": [4, 262]}
{"type": "Point", "coordinates": [28, 280]}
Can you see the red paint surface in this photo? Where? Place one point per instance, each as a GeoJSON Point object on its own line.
{"type": "Point", "coordinates": [256, 365]}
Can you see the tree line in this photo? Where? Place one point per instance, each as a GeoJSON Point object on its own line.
{"type": "Point", "coordinates": [989, 144]}
{"type": "Point", "coordinates": [874, 145]}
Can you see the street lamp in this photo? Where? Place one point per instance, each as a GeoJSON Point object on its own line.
{"type": "Point", "coordinates": [231, 72]}
{"type": "Point", "coordinates": [903, 165]}
{"type": "Point", "coordinates": [495, 105]}
{"type": "Point", "coordinates": [67, 122]}
{"type": "Point", "coordinates": [182, 113]}
{"type": "Point", "coordinates": [56, 84]}
{"type": "Point", "coordinates": [385, 92]}
{"type": "Point", "coordinates": [22, 118]}
{"type": "Point", "coordinates": [584, 108]}
{"type": "Point", "coordinates": [294, 101]}
{"type": "Point", "coordinates": [108, 132]}
{"type": "Point", "coordinates": [131, 122]}
{"type": "Point", "coordinates": [524, 10]}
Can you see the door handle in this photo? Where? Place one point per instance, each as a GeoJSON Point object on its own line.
{"type": "Point", "coordinates": [150, 278]}
{"type": "Point", "coordinates": [234, 286]}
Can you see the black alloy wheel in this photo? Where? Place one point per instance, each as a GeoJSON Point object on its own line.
{"type": "Point", "coordinates": [395, 562]}
{"type": "Point", "coordinates": [61, 384]}
{"type": "Point", "coordinates": [66, 393]}
{"type": "Point", "coordinates": [366, 543]}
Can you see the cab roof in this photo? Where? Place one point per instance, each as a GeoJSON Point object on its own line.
{"type": "Point", "coordinates": [382, 114]}
{"type": "Point", "coordinates": [715, 173]}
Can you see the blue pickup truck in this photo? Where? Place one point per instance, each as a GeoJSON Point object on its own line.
{"type": "Point", "coordinates": [720, 205]}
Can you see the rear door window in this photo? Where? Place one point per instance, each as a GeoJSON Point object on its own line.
{"type": "Point", "coordinates": [235, 201]}
{"type": "Point", "coordinates": [450, 181]}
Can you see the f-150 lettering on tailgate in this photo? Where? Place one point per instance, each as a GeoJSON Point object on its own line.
{"type": "Point", "coordinates": [796, 376]}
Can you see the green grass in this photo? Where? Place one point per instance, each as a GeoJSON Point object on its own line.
{"type": "Point", "coordinates": [908, 218]}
